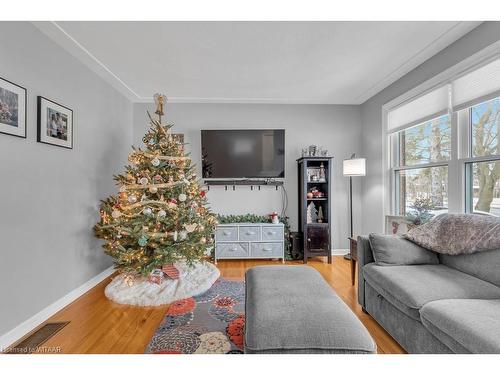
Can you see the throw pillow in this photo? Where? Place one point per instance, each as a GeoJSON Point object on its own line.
{"type": "Point", "coordinates": [389, 250]}
{"type": "Point", "coordinates": [456, 234]}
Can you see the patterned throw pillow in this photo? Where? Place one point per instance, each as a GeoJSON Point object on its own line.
{"type": "Point", "coordinates": [456, 234]}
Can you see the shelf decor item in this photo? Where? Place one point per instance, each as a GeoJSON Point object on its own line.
{"type": "Point", "coordinates": [353, 167]}
{"type": "Point", "coordinates": [314, 179]}
{"type": "Point", "coordinates": [55, 123]}
{"type": "Point", "coordinates": [12, 109]}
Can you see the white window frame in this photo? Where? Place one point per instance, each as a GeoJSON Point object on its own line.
{"type": "Point", "coordinates": [396, 166]}
{"type": "Point", "coordinates": [465, 123]}
{"type": "Point", "coordinates": [460, 137]}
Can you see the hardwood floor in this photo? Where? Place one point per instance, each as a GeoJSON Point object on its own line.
{"type": "Point", "coordinates": [98, 325]}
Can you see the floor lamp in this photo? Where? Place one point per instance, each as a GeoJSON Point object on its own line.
{"type": "Point", "coordinates": [353, 167]}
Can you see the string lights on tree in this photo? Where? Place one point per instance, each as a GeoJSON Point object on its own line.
{"type": "Point", "coordinates": [160, 214]}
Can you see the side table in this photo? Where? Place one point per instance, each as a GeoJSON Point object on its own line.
{"type": "Point", "coordinates": [353, 251]}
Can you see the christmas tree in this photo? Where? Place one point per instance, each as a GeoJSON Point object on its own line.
{"type": "Point", "coordinates": [160, 215]}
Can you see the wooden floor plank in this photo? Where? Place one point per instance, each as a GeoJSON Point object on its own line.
{"type": "Point", "coordinates": [98, 325]}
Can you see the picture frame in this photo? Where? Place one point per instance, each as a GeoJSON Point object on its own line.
{"type": "Point", "coordinates": [54, 123]}
{"type": "Point", "coordinates": [397, 225]}
{"type": "Point", "coordinates": [13, 112]}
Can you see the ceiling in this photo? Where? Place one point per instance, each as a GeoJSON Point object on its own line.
{"type": "Point", "coordinates": [254, 62]}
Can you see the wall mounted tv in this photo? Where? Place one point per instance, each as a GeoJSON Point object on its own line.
{"type": "Point", "coordinates": [243, 154]}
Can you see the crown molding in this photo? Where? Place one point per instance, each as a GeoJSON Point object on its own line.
{"type": "Point", "coordinates": [215, 100]}
{"type": "Point", "coordinates": [456, 31]}
{"type": "Point", "coordinates": [71, 45]}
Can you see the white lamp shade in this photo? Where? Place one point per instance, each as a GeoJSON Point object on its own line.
{"type": "Point", "coordinates": [355, 167]}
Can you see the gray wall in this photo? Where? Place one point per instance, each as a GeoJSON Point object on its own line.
{"type": "Point", "coordinates": [50, 195]}
{"type": "Point", "coordinates": [371, 111]}
{"type": "Point", "coordinates": [338, 128]}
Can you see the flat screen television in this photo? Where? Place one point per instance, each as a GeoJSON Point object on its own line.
{"type": "Point", "coordinates": [243, 154]}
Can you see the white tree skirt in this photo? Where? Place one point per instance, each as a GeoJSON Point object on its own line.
{"type": "Point", "coordinates": [192, 281]}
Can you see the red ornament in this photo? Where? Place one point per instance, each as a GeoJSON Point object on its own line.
{"type": "Point", "coordinates": [203, 193]}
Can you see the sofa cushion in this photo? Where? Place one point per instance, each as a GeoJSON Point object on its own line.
{"type": "Point", "coordinates": [410, 287]}
{"type": "Point", "coordinates": [391, 250]}
{"type": "Point", "coordinates": [483, 265]}
{"type": "Point", "coordinates": [464, 325]}
{"type": "Point", "coordinates": [291, 309]}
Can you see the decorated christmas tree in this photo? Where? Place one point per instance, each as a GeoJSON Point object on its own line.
{"type": "Point", "coordinates": [160, 215]}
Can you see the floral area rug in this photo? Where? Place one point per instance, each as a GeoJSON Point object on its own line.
{"type": "Point", "coordinates": [209, 323]}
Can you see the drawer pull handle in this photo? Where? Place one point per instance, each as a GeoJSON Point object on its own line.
{"type": "Point", "coordinates": [271, 232]}
{"type": "Point", "coordinates": [249, 233]}
{"type": "Point", "coordinates": [226, 233]}
{"type": "Point", "coordinates": [267, 248]}
{"type": "Point", "coordinates": [234, 248]}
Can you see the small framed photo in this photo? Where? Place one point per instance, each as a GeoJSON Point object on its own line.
{"type": "Point", "coordinates": [55, 123]}
{"type": "Point", "coordinates": [397, 225]}
{"type": "Point", "coordinates": [12, 109]}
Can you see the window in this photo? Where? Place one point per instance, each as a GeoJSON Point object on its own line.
{"type": "Point", "coordinates": [445, 145]}
{"type": "Point", "coordinates": [483, 168]}
{"type": "Point", "coordinates": [424, 154]}
{"type": "Point", "coordinates": [421, 177]}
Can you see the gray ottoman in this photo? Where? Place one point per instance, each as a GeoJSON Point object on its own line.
{"type": "Point", "coordinates": [291, 309]}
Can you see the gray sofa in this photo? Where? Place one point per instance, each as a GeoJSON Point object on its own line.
{"type": "Point", "coordinates": [449, 307]}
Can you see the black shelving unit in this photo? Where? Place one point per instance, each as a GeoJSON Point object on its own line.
{"type": "Point", "coordinates": [316, 235]}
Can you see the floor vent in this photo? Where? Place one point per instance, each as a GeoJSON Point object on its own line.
{"type": "Point", "coordinates": [32, 343]}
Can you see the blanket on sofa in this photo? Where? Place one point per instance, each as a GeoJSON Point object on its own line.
{"type": "Point", "coordinates": [456, 234]}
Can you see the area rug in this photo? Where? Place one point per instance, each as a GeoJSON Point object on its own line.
{"type": "Point", "coordinates": [209, 323]}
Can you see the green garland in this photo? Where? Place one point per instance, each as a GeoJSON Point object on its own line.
{"type": "Point", "coordinates": [252, 218]}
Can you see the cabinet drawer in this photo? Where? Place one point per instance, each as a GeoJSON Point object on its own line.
{"type": "Point", "coordinates": [266, 250]}
{"type": "Point", "coordinates": [231, 250]}
{"type": "Point", "coordinates": [272, 233]}
{"type": "Point", "coordinates": [226, 234]}
{"type": "Point", "coordinates": [249, 233]}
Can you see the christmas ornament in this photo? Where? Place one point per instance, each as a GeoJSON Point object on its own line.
{"type": "Point", "coordinates": [143, 240]}
{"type": "Point", "coordinates": [182, 197]}
{"type": "Point", "coordinates": [174, 236]}
{"type": "Point", "coordinates": [152, 141]}
{"type": "Point", "coordinates": [153, 189]}
{"type": "Point", "coordinates": [172, 203]}
{"type": "Point", "coordinates": [116, 214]}
{"type": "Point", "coordinates": [182, 234]}
{"type": "Point", "coordinates": [143, 197]}
{"type": "Point", "coordinates": [155, 162]}
{"type": "Point", "coordinates": [143, 181]}
{"type": "Point", "coordinates": [203, 193]}
{"type": "Point", "coordinates": [203, 240]}
{"type": "Point", "coordinates": [132, 199]}
{"type": "Point", "coordinates": [162, 214]}
{"type": "Point", "coordinates": [158, 178]}
{"type": "Point", "coordinates": [123, 189]}
{"type": "Point", "coordinates": [190, 227]}
{"type": "Point", "coordinates": [147, 211]}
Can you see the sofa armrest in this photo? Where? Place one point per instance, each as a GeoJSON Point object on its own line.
{"type": "Point", "coordinates": [365, 256]}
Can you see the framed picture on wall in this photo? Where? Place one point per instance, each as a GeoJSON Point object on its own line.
{"type": "Point", "coordinates": [12, 109]}
{"type": "Point", "coordinates": [55, 123]}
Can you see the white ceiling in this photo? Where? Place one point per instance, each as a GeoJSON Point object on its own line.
{"type": "Point", "coordinates": [254, 62]}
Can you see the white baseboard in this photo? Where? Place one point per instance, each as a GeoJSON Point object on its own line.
{"type": "Point", "coordinates": [340, 251]}
{"type": "Point", "coordinates": [28, 325]}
